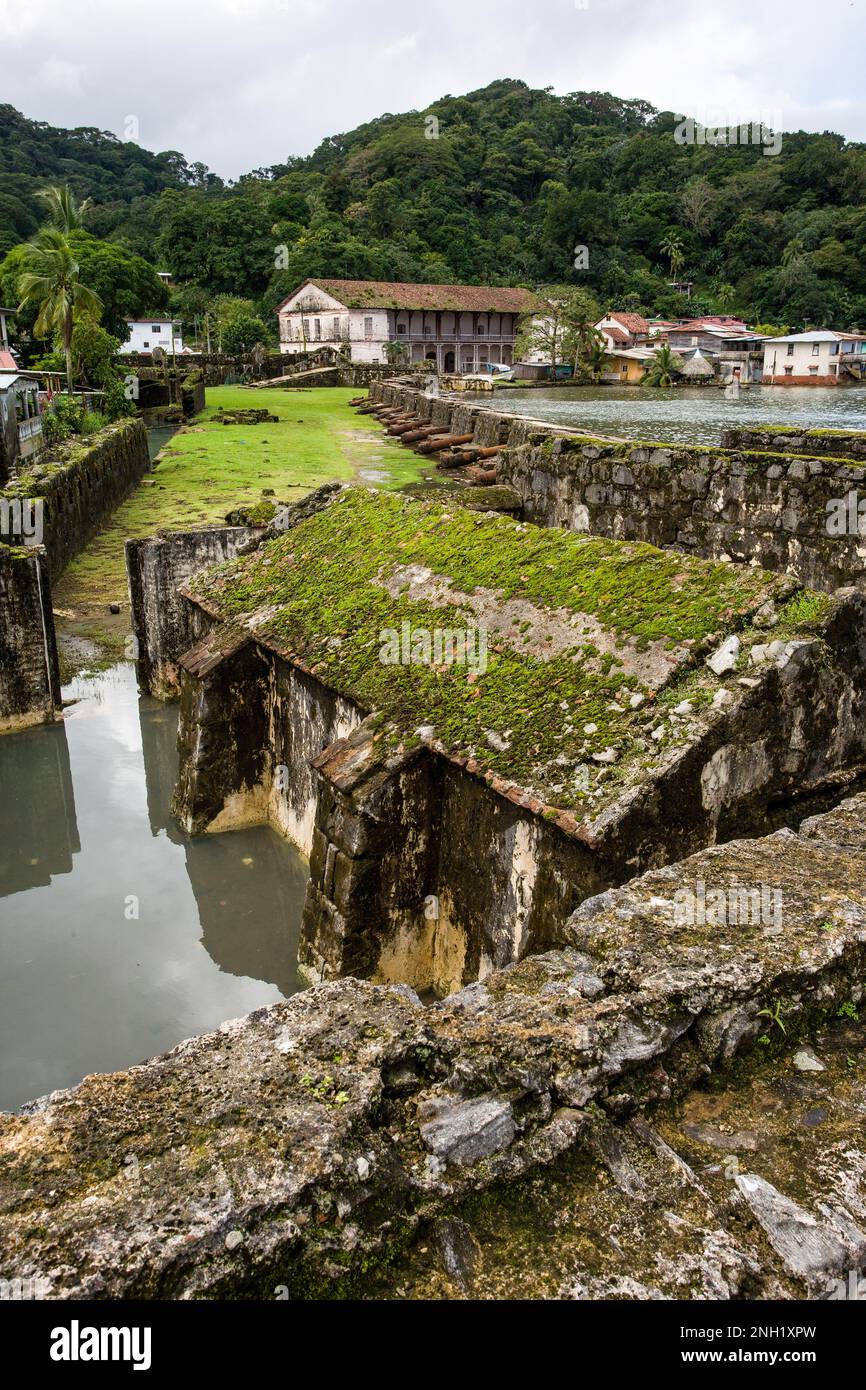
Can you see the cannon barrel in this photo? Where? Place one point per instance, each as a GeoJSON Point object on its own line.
{"type": "Point", "coordinates": [447, 441]}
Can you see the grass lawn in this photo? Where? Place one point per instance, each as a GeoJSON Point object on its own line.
{"type": "Point", "coordinates": [207, 468]}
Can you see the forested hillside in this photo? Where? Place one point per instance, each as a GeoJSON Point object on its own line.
{"type": "Point", "coordinates": [512, 182]}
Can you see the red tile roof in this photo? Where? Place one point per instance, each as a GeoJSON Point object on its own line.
{"type": "Point", "coordinates": [387, 294]}
{"type": "Point", "coordinates": [618, 334]}
{"type": "Point", "coordinates": [635, 323]}
{"type": "Point", "coordinates": [7, 362]}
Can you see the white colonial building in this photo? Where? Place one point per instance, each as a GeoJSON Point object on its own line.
{"type": "Point", "coordinates": [459, 328]}
{"type": "Point", "coordinates": [820, 358]}
{"type": "Point", "coordinates": [147, 334]}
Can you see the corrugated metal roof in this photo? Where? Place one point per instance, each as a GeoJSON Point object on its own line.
{"type": "Point", "coordinates": [7, 378]}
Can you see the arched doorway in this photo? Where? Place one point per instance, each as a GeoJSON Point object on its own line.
{"type": "Point", "coordinates": [449, 361]}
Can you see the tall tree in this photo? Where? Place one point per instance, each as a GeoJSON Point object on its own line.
{"type": "Point", "coordinates": [580, 313]}
{"type": "Point", "coordinates": [64, 211]}
{"type": "Point", "coordinates": [51, 282]}
{"type": "Point", "coordinates": [541, 333]}
{"type": "Point", "coordinates": [672, 247]}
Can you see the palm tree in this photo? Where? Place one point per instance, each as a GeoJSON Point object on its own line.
{"type": "Point", "coordinates": [672, 247]}
{"type": "Point", "coordinates": [596, 358]}
{"type": "Point", "coordinates": [395, 353]}
{"type": "Point", "coordinates": [664, 368]}
{"type": "Point", "coordinates": [725, 297]}
{"type": "Point", "coordinates": [64, 211]}
{"type": "Point", "coordinates": [51, 282]}
{"type": "Point", "coordinates": [794, 251]}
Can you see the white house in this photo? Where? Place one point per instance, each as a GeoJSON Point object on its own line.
{"type": "Point", "coordinates": [20, 419]}
{"type": "Point", "coordinates": [622, 331]}
{"type": "Point", "coordinates": [457, 328]}
{"type": "Point", "coordinates": [147, 334]}
{"type": "Point", "coordinates": [819, 358]}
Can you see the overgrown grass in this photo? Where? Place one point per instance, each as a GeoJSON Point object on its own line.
{"type": "Point", "coordinates": [207, 469]}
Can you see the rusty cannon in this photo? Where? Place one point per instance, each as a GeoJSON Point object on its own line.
{"type": "Point", "coordinates": [445, 441]}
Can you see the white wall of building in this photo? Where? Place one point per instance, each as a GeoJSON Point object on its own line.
{"type": "Point", "coordinates": [312, 318]}
{"type": "Point", "coordinates": [147, 334]}
{"type": "Point", "coordinates": [806, 356]}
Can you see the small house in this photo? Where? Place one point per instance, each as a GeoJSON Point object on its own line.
{"type": "Point", "coordinates": [20, 421]}
{"type": "Point", "coordinates": [155, 332]}
{"type": "Point", "coordinates": [821, 357]}
{"type": "Point", "coordinates": [622, 331]}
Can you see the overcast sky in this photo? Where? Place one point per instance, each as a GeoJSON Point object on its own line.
{"type": "Point", "coordinates": [243, 83]}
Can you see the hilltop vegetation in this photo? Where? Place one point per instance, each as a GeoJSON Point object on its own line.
{"type": "Point", "coordinates": [512, 181]}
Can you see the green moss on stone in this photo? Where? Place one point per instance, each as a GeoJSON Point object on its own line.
{"type": "Point", "coordinates": [320, 592]}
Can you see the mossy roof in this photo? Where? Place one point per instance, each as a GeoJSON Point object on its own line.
{"type": "Point", "coordinates": [324, 593]}
{"type": "Point", "coordinates": [389, 294]}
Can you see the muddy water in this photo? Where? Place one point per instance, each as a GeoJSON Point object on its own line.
{"type": "Point", "coordinates": [120, 936]}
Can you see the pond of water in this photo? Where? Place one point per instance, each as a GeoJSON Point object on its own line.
{"type": "Point", "coordinates": [119, 935]}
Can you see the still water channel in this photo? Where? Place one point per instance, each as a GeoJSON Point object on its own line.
{"type": "Point", "coordinates": [86, 841]}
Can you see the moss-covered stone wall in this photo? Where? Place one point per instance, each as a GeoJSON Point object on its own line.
{"type": "Point", "coordinates": [781, 499]}
{"type": "Point", "coordinates": [790, 439]}
{"type": "Point", "coordinates": [78, 483]}
{"type": "Point", "coordinates": [29, 676]}
{"type": "Point", "coordinates": [62, 500]}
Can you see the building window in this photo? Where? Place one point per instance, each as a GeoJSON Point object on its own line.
{"type": "Point", "coordinates": [306, 329]}
{"type": "Point", "coordinates": [789, 371]}
{"type": "Point", "coordinates": [813, 371]}
{"type": "Point", "coordinates": [834, 348]}
{"type": "Point", "coordinates": [401, 328]}
{"type": "Point", "coordinates": [790, 349]}
{"type": "Point", "coordinates": [318, 324]}
{"type": "Point", "coordinates": [336, 328]}
{"type": "Point", "coordinates": [146, 343]}
{"type": "Point", "coordinates": [816, 348]}
{"type": "Point", "coordinates": [368, 327]}
{"type": "Point", "coordinates": [156, 328]}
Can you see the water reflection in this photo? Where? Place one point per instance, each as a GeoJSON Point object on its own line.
{"type": "Point", "coordinates": [38, 829]}
{"type": "Point", "coordinates": [148, 937]}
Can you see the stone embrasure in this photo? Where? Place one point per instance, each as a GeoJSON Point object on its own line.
{"type": "Point", "coordinates": [301, 1143]}
{"type": "Point", "coordinates": [577, 627]}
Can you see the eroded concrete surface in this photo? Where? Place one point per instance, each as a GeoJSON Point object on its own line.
{"type": "Point", "coordinates": [751, 1187]}
{"type": "Point", "coordinates": [311, 1143]}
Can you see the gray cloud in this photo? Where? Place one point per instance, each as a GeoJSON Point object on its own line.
{"type": "Point", "coordinates": [244, 83]}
